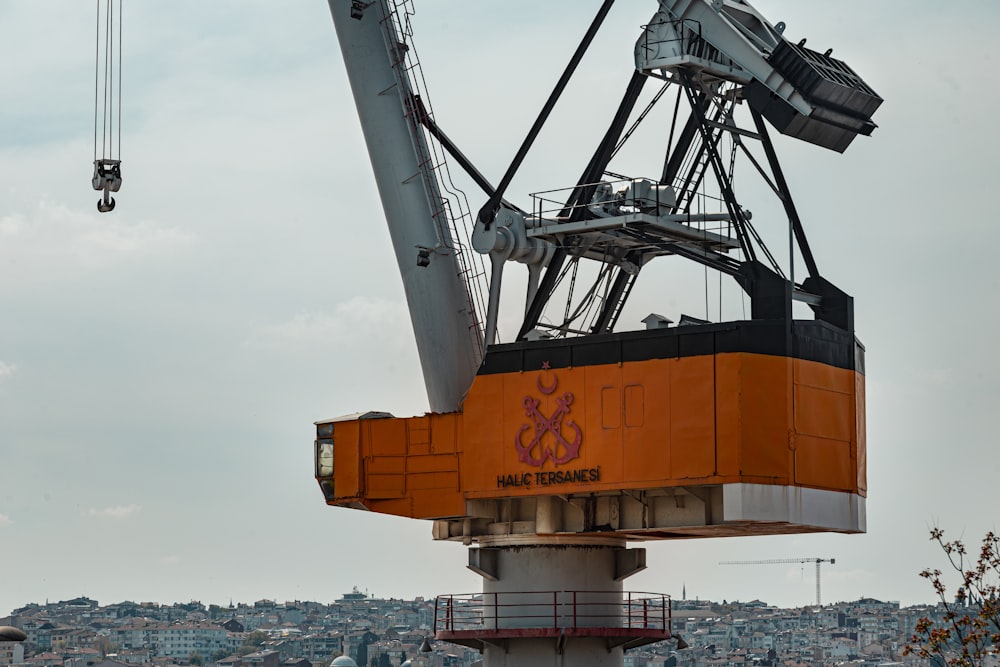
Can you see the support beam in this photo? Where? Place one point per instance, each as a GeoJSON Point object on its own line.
{"type": "Point", "coordinates": [629, 562]}
{"type": "Point", "coordinates": [484, 562]}
{"type": "Point", "coordinates": [735, 212]}
{"type": "Point", "coordinates": [454, 151]}
{"type": "Point", "coordinates": [489, 210]}
{"type": "Point", "coordinates": [583, 192]}
{"type": "Point", "coordinates": [786, 196]}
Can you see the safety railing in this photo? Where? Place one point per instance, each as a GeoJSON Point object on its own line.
{"type": "Point", "coordinates": [448, 203]}
{"type": "Point", "coordinates": [553, 610]}
{"type": "Point", "coordinates": [680, 37]}
{"type": "Point", "coordinates": [612, 197]}
{"type": "Point", "coordinates": [625, 196]}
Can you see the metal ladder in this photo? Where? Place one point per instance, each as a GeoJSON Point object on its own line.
{"type": "Point", "coordinates": [449, 204]}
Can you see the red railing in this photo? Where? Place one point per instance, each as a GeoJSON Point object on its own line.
{"type": "Point", "coordinates": [553, 610]}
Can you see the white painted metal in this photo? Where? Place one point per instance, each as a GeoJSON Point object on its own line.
{"type": "Point", "coordinates": [825, 510]}
{"type": "Point", "coordinates": [667, 226]}
{"type": "Point", "coordinates": [509, 235]}
{"type": "Point", "coordinates": [734, 42]}
{"type": "Point", "coordinates": [740, 34]}
{"type": "Point", "coordinates": [696, 511]}
{"type": "Point", "coordinates": [508, 240]}
{"type": "Point", "coordinates": [447, 333]}
{"type": "Point", "coordinates": [728, 40]}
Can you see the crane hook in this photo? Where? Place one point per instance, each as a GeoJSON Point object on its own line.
{"type": "Point", "coordinates": [107, 177]}
{"type": "Point", "coordinates": [107, 162]}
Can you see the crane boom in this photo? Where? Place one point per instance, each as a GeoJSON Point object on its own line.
{"type": "Point", "coordinates": [445, 324]}
{"type": "Point", "coordinates": [784, 561]}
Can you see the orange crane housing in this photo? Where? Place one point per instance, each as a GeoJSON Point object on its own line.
{"type": "Point", "coordinates": [660, 423]}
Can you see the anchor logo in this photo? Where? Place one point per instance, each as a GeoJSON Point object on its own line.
{"type": "Point", "coordinates": [557, 448]}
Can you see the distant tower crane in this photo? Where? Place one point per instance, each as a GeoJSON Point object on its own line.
{"type": "Point", "coordinates": [781, 561]}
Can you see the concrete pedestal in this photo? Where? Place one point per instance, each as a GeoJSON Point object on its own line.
{"type": "Point", "coordinates": [554, 602]}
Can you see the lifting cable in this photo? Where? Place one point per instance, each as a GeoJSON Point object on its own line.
{"type": "Point", "coordinates": [108, 61]}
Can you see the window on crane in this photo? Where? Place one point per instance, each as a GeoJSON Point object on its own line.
{"type": "Point", "coordinates": [107, 96]}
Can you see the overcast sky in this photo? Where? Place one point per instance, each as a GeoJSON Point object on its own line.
{"type": "Point", "coordinates": [161, 366]}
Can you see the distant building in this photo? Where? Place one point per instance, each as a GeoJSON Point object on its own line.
{"type": "Point", "coordinates": [45, 660]}
{"type": "Point", "coordinates": [232, 625]}
{"type": "Point", "coordinates": [11, 653]}
{"type": "Point", "coordinates": [132, 656]}
{"type": "Point", "coordinates": [262, 659]}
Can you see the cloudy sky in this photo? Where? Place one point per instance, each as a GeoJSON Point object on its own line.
{"type": "Point", "coordinates": [161, 366]}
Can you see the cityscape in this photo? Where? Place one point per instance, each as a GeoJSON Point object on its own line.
{"type": "Point", "coordinates": [81, 632]}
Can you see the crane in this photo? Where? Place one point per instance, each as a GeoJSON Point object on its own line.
{"type": "Point", "coordinates": [571, 405]}
{"type": "Point", "coordinates": [545, 452]}
{"type": "Point", "coordinates": [783, 561]}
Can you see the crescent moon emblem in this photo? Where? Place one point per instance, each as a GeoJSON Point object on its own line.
{"type": "Point", "coordinates": [547, 390]}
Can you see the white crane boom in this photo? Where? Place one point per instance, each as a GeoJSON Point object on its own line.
{"type": "Point", "coordinates": [447, 331]}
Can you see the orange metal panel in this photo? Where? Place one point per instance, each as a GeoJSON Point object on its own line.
{"type": "Point", "coordinates": [822, 463]}
{"type": "Point", "coordinates": [444, 433]}
{"type": "Point", "coordinates": [692, 417]}
{"type": "Point", "coordinates": [432, 480]}
{"type": "Point", "coordinates": [655, 423]}
{"type": "Point", "coordinates": [766, 416]}
{"type": "Point", "coordinates": [388, 436]}
{"type": "Point", "coordinates": [436, 504]}
{"type": "Point", "coordinates": [634, 406]}
{"type": "Point", "coordinates": [600, 427]}
{"type": "Point", "coordinates": [728, 414]}
{"type": "Point", "coordinates": [397, 507]}
{"type": "Point", "coordinates": [385, 465]}
{"type": "Point", "coordinates": [818, 375]}
{"type": "Point", "coordinates": [862, 436]}
{"type": "Point", "coordinates": [824, 414]}
{"type": "Point", "coordinates": [347, 459]}
{"type": "Point", "coordinates": [482, 429]}
{"type": "Point", "coordinates": [418, 435]}
{"type": "Point", "coordinates": [385, 485]}
{"type": "Point", "coordinates": [646, 448]}
{"type": "Point", "coordinates": [611, 407]}
{"type": "Point", "coordinates": [432, 463]}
